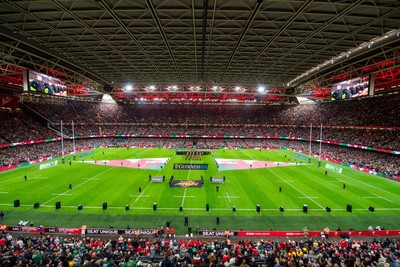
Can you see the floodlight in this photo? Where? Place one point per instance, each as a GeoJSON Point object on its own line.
{"type": "Point", "coordinates": [129, 87]}
{"type": "Point", "coordinates": [261, 89]}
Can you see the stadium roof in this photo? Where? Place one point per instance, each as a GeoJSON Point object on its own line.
{"type": "Point", "coordinates": [222, 46]}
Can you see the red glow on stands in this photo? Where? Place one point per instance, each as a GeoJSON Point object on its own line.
{"type": "Point", "coordinates": [15, 79]}
{"type": "Point", "coordinates": [120, 94]}
{"type": "Point", "coordinates": [274, 97]}
{"type": "Point", "coordinates": [55, 73]}
{"type": "Point", "coordinates": [322, 93]}
{"type": "Point", "coordinates": [366, 70]}
{"type": "Point", "coordinates": [77, 90]}
{"type": "Point", "coordinates": [11, 75]}
{"type": "Point", "coordinates": [388, 74]}
{"type": "Point", "coordinates": [377, 66]}
{"type": "Point", "coordinates": [387, 78]}
{"type": "Point", "coordinates": [341, 77]}
{"type": "Point", "coordinates": [199, 94]}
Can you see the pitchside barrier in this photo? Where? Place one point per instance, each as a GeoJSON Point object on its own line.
{"type": "Point", "coordinates": [157, 179]}
{"type": "Point", "coordinates": [201, 233]}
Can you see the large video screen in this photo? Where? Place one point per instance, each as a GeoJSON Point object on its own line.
{"type": "Point", "coordinates": [42, 83]}
{"type": "Point", "coordinates": [351, 88]}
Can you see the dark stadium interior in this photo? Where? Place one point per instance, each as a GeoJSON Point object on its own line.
{"type": "Point", "coordinates": [262, 71]}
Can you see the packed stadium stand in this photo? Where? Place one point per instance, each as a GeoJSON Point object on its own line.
{"type": "Point", "coordinates": [350, 122]}
{"type": "Point", "coordinates": [318, 77]}
{"type": "Point", "coordinates": [67, 251]}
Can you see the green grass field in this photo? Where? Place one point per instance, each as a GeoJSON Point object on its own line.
{"type": "Point", "coordinates": [118, 186]}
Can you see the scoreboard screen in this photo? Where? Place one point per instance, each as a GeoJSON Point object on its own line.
{"type": "Point", "coordinates": [351, 88]}
{"type": "Point", "coordinates": [42, 83]}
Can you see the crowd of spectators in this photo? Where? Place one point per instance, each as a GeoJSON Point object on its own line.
{"type": "Point", "coordinates": [41, 120]}
{"type": "Point", "coordinates": [20, 127]}
{"type": "Point", "coordinates": [370, 111]}
{"type": "Point", "coordinates": [384, 163]}
{"type": "Point", "coordinates": [69, 251]}
{"type": "Point", "coordinates": [94, 118]}
{"type": "Point", "coordinates": [340, 119]}
{"type": "Point", "coordinates": [377, 138]}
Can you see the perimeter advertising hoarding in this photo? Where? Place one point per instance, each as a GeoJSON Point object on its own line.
{"type": "Point", "coordinates": [186, 166]}
{"type": "Point", "coordinates": [351, 88]}
{"type": "Point", "coordinates": [42, 83]}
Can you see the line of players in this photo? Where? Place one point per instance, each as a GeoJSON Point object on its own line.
{"type": "Point", "coordinates": [194, 155]}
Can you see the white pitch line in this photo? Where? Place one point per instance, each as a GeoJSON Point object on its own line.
{"type": "Point", "coordinates": [228, 197]}
{"type": "Point", "coordinates": [371, 197]}
{"type": "Point", "coordinates": [382, 197]}
{"type": "Point", "coordinates": [187, 178]}
{"type": "Point", "coordinates": [296, 189]}
{"type": "Point", "coordinates": [359, 181]}
{"type": "Point", "coordinates": [184, 195]}
{"type": "Point", "coordinates": [62, 194]}
{"type": "Point", "coordinates": [308, 197]}
{"type": "Point", "coordinates": [79, 185]}
{"type": "Point", "coordinates": [19, 177]}
{"type": "Point", "coordinates": [139, 195]}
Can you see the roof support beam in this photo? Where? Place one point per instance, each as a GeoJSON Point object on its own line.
{"type": "Point", "coordinates": [242, 35]}
{"type": "Point", "coordinates": [164, 36]}
{"type": "Point", "coordinates": [203, 38]}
